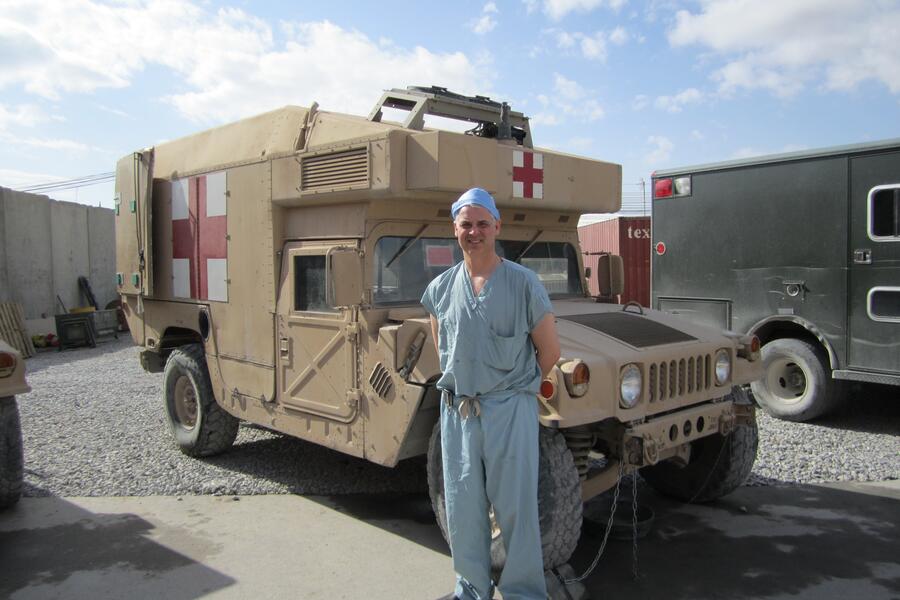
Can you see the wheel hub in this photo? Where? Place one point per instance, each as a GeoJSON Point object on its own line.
{"type": "Point", "coordinates": [186, 402]}
{"type": "Point", "coordinates": [786, 379]}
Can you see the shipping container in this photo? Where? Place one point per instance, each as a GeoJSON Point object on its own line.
{"type": "Point", "coordinates": [629, 237]}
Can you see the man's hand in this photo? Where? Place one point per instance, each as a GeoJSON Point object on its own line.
{"type": "Point", "coordinates": [546, 342]}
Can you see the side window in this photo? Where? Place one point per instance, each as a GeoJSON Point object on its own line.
{"type": "Point", "coordinates": [309, 283]}
{"type": "Point", "coordinates": [884, 213]}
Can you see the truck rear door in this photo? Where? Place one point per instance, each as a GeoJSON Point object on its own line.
{"type": "Point", "coordinates": [134, 250]}
{"type": "Point", "coordinates": [875, 262]}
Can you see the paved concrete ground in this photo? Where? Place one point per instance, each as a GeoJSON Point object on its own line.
{"type": "Point", "coordinates": [807, 542]}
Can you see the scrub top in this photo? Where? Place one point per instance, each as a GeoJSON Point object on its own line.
{"type": "Point", "coordinates": [484, 340]}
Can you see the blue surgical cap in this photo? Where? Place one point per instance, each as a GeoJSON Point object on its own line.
{"type": "Point", "coordinates": [475, 197]}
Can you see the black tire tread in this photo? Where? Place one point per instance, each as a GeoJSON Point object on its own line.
{"type": "Point", "coordinates": [11, 454]}
{"type": "Point", "coordinates": [826, 400]}
{"type": "Point", "coordinates": [218, 428]}
{"type": "Point", "coordinates": [722, 465]}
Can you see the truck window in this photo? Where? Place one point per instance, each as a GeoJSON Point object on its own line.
{"type": "Point", "coordinates": [309, 283]}
{"type": "Point", "coordinates": [403, 268]}
{"type": "Point", "coordinates": [884, 213]}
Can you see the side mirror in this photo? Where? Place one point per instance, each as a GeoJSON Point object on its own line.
{"type": "Point", "coordinates": [610, 275]}
{"type": "Point", "coordinates": [345, 272]}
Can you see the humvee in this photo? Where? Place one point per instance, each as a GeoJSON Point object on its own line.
{"type": "Point", "coordinates": [12, 382]}
{"type": "Point", "coordinates": [272, 269]}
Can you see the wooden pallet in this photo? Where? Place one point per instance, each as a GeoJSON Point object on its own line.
{"type": "Point", "coordinates": [12, 328]}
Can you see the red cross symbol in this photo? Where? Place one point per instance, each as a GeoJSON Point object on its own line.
{"type": "Point", "coordinates": [199, 237]}
{"type": "Point", "coordinates": [528, 174]}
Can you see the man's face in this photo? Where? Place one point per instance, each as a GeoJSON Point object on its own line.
{"type": "Point", "coordinates": [475, 230]}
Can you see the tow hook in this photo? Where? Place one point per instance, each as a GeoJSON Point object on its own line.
{"type": "Point", "coordinates": [634, 451]}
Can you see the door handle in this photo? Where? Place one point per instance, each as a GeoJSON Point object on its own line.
{"type": "Point", "coordinates": [285, 349]}
{"type": "Point", "coordinates": [862, 257]}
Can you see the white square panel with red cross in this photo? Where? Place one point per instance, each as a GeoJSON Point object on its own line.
{"type": "Point", "coordinates": [528, 174]}
{"type": "Point", "coordinates": [199, 242]}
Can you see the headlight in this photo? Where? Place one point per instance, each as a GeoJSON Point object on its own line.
{"type": "Point", "coordinates": [577, 377]}
{"type": "Point", "coordinates": [723, 367]}
{"type": "Point", "coordinates": [630, 385]}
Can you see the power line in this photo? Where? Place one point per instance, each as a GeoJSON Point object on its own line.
{"type": "Point", "coordinates": [68, 184]}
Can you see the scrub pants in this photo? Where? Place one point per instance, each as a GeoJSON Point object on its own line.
{"type": "Point", "coordinates": [492, 460]}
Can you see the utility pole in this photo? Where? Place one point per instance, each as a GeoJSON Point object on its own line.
{"type": "Point", "coordinates": [643, 196]}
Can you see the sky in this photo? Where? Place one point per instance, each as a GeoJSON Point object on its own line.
{"type": "Point", "coordinates": [649, 85]}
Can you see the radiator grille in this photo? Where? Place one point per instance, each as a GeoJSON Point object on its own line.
{"type": "Point", "coordinates": [380, 380]}
{"type": "Point", "coordinates": [344, 169]}
{"type": "Point", "coordinates": [675, 378]}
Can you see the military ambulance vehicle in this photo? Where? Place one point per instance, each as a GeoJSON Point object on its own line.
{"type": "Point", "coordinates": [272, 268]}
{"type": "Point", "coordinates": [12, 382]}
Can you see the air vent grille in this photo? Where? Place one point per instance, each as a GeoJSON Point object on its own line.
{"type": "Point", "coordinates": [346, 169]}
{"type": "Point", "coordinates": [380, 380]}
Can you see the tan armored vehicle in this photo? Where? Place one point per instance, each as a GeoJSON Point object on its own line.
{"type": "Point", "coordinates": [12, 382]}
{"type": "Point", "coordinates": [273, 269]}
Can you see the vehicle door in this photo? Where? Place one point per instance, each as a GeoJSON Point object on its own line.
{"type": "Point", "coordinates": [875, 262]}
{"type": "Point", "coordinates": [317, 337]}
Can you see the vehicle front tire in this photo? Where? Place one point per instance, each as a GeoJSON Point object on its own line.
{"type": "Point", "coordinates": [559, 499]}
{"type": "Point", "coordinates": [797, 385]}
{"type": "Point", "coordinates": [10, 453]}
{"type": "Point", "coordinates": [719, 464]}
{"type": "Point", "coordinates": [199, 425]}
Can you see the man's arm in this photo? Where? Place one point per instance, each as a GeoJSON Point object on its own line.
{"type": "Point", "coordinates": [434, 334]}
{"type": "Point", "coordinates": [545, 341]}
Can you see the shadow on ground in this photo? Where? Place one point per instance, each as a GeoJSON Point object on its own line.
{"type": "Point", "coordinates": [798, 542]}
{"type": "Point", "coordinates": [75, 553]}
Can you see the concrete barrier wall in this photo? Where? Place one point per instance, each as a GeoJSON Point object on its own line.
{"type": "Point", "coordinates": [45, 245]}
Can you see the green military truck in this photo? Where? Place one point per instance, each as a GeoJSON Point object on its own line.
{"type": "Point", "coordinates": [272, 268]}
{"type": "Point", "coordinates": [801, 250]}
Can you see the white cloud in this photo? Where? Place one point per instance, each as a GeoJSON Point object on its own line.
{"type": "Point", "coordinates": [640, 102]}
{"type": "Point", "coordinates": [570, 100]}
{"type": "Point", "coordinates": [557, 9]}
{"type": "Point", "coordinates": [674, 104]}
{"type": "Point", "coordinates": [567, 88]}
{"type": "Point", "coordinates": [485, 23]}
{"type": "Point", "coordinates": [564, 39]}
{"type": "Point", "coordinates": [229, 61]}
{"type": "Point", "coordinates": [662, 149]}
{"type": "Point", "coordinates": [785, 46]}
{"type": "Point", "coordinates": [45, 143]}
{"type": "Point", "coordinates": [23, 115]}
{"type": "Point", "coordinates": [594, 47]}
{"type": "Point", "coordinates": [530, 5]}
{"type": "Point", "coordinates": [696, 134]}
{"type": "Point", "coordinates": [618, 36]}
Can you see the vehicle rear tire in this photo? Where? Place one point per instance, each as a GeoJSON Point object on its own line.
{"type": "Point", "coordinates": [559, 499]}
{"type": "Point", "coordinates": [11, 455]}
{"type": "Point", "coordinates": [797, 385]}
{"type": "Point", "coordinates": [200, 426]}
{"type": "Point", "coordinates": [718, 466]}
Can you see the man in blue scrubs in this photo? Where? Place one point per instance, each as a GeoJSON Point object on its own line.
{"type": "Point", "coordinates": [496, 337]}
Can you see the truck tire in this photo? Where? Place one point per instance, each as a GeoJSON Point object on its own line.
{"type": "Point", "coordinates": [559, 499]}
{"type": "Point", "coordinates": [718, 466]}
{"type": "Point", "coordinates": [10, 453]}
{"type": "Point", "coordinates": [200, 426]}
{"type": "Point", "coordinates": [797, 385]}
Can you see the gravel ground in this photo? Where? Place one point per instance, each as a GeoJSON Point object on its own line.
{"type": "Point", "coordinates": [93, 426]}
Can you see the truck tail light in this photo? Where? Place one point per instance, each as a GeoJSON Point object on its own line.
{"type": "Point", "coordinates": [662, 188]}
{"type": "Point", "coordinates": [7, 364]}
{"type": "Point", "coordinates": [667, 187]}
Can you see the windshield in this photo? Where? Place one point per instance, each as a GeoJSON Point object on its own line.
{"type": "Point", "coordinates": [403, 268]}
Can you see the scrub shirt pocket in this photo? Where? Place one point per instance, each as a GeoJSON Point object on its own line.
{"type": "Point", "coordinates": [501, 352]}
